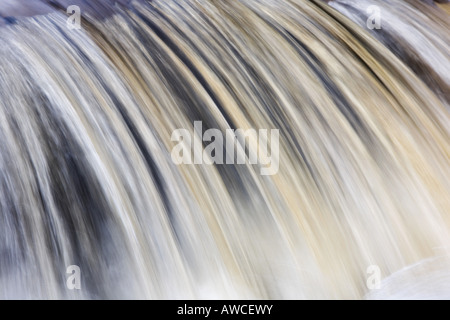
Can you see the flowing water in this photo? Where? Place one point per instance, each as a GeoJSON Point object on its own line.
{"type": "Point", "coordinates": [87, 178]}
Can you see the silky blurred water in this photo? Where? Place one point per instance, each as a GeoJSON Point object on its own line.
{"type": "Point", "coordinates": [87, 179]}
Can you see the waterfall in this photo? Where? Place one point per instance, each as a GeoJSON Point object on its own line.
{"type": "Point", "coordinates": [87, 176]}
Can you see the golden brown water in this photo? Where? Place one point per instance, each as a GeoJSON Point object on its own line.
{"type": "Point", "coordinates": [87, 179]}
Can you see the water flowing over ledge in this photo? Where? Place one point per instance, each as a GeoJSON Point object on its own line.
{"type": "Point", "coordinates": [87, 179]}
